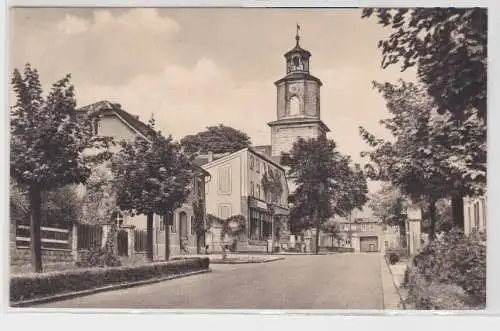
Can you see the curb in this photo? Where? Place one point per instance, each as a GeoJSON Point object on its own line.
{"type": "Point", "coordinates": [387, 270]}
{"type": "Point", "coordinates": [247, 262]}
{"type": "Point", "coordinates": [71, 295]}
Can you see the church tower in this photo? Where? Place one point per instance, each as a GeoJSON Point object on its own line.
{"type": "Point", "coordinates": [298, 103]}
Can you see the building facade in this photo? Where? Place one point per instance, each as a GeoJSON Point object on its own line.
{"type": "Point", "coordinates": [475, 214]}
{"type": "Point", "coordinates": [236, 189]}
{"type": "Point", "coordinates": [112, 121]}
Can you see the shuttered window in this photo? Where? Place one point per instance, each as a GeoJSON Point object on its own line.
{"type": "Point", "coordinates": [224, 180]}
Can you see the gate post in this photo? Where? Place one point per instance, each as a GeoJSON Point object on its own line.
{"type": "Point", "coordinates": [413, 231]}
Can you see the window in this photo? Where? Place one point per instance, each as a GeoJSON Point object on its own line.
{"type": "Point", "coordinates": [257, 165]}
{"type": "Point", "coordinates": [469, 217]}
{"type": "Point", "coordinates": [252, 161]}
{"type": "Point", "coordinates": [173, 227]}
{"type": "Point", "coordinates": [294, 106]}
{"type": "Point", "coordinates": [252, 189]}
{"type": "Point", "coordinates": [476, 215]}
{"type": "Point", "coordinates": [224, 211]}
{"type": "Point", "coordinates": [192, 225]}
{"type": "Point", "coordinates": [386, 243]}
{"type": "Point", "coordinates": [258, 192]}
{"type": "Point", "coordinates": [117, 217]}
{"type": "Point", "coordinates": [483, 205]}
{"type": "Point", "coordinates": [162, 224]}
{"type": "Point", "coordinates": [224, 180]}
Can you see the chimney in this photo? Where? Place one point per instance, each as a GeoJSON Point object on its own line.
{"type": "Point", "coordinates": [210, 156]}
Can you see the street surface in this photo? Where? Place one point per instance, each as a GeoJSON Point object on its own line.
{"type": "Point", "coordinates": [337, 281]}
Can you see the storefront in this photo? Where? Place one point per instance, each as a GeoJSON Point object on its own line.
{"type": "Point", "coordinates": [260, 225]}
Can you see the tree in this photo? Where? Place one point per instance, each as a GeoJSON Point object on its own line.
{"type": "Point", "coordinates": [272, 186]}
{"type": "Point", "coordinates": [48, 140]}
{"type": "Point", "coordinates": [152, 177]}
{"type": "Point", "coordinates": [199, 222]}
{"type": "Point", "coordinates": [390, 205]}
{"type": "Point", "coordinates": [331, 228]}
{"type": "Point", "coordinates": [216, 139]}
{"type": "Point", "coordinates": [319, 171]}
{"type": "Point", "coordinates": [424, 160]}
{"type": "Point", "coordinates": [449, 48]}
{"type": "Point", "coordinates": [99, 199]}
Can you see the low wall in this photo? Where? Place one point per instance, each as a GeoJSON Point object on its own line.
{"type": "Point", "coordinates": [22, 256]}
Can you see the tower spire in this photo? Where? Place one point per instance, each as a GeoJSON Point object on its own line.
{"type": "Point", "coordinates": [297, 37]}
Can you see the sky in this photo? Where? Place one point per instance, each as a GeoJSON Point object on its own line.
{"type": "Point", "coordinates": [196, 67]}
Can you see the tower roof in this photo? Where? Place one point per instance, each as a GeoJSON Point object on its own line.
{"type": "Point", "coordinates": [297, 48]}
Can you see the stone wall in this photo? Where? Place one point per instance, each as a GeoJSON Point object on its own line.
{"type": "Point", "coordinates": [282, 138]}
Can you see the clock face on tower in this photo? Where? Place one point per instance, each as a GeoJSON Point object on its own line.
{"type": "Point", "coordinates": [295, 89]}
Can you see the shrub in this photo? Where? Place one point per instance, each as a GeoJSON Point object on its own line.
{"type": "Point", "coordinates": [454, 259]}
{"type": "Point", "coordinates": [98, 256]}
{"type": "Point", "coordinates": [394, 258]}
{"type": "Point", "coordinates": [25, 287]}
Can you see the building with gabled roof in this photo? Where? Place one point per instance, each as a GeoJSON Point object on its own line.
{"type": "Point", "coordinates": [113, 121]}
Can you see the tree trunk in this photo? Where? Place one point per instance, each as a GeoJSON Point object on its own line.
{"type": "Point", "coordinates": [35, 197]}
{"type": "Point", "coordinates": [149, 235]}
{"type": "Point", "coordinates": [432, 216]}
{"type": "Point", "coordinates": [198, 242]}
{"type": "Point", "coordinates": [166, 219]}
{"type": "Point", "coordinates": [317, 231]}
{"type": "Point", "coordinates": [457, 209]}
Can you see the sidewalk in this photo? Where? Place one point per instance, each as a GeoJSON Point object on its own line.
{"type": "Point", "coordinates": [392, 277]}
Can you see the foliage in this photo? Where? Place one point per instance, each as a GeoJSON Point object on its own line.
{"type": "Point", "coordinates": [61, 207]}
{"type": "Point", "coordinates": [389, 204]}
{"type": "Point", "coordinates": [152, 176]}
{"type": "Point", "coordinates": [48, 138]}
{"type": "Point", "coordinates": [325, 182]}
{"type": "Point", "coordinates": [449, 48]}
{"type": "Point", "coordinates": [331, 228]}
{"type": "Point", "coordinates": [102, 256]}
{"type": "Point", "coordinates": [99, 199]}
{"type": "Point", "coordinates": [426, 159]}
{"type": "Point", "coordinates": [227, 226]}
{"type": "Point", "coordinates": [393, 258]}
{"type": "Point", "coordinates": [216, 139]}
{"type": "Point", "coordinates": [26, 287]}
{"type": "Point", "coordinates": [455, 259]}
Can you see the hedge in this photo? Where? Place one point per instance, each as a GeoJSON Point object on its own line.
{"type": "Point", "coordinates": [26, 287]}
{"type": "Point", "coordinates": [449, 273]}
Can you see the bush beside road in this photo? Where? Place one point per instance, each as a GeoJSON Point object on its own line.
{"type": "Point", "coordinates": [34, 286]}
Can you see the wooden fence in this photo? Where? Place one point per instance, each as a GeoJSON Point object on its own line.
{"type": "Point", "coordinates": [88, 236]}
{"type": "Point", "coordinates": [52, 238]}
{"type": "Point", "coordinates": [140, 243]}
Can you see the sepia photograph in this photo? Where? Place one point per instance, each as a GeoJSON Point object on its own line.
{"type": "Point", "coordinates": [247, 158]}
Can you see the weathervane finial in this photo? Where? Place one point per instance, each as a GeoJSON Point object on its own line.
{"type": "Point", "coordinates": [297, 37]}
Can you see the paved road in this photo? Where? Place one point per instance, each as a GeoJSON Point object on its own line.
{"type": "Point", "coordinates": [341, 281]}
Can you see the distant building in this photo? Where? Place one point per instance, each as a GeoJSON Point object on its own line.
{"type": "Point", "coordinates": [475, 214]}
{"type": "Point", "coordinates": [362, 234]}
{"type": "Point", "coordinates": [236, 189]}
{"type": "Point", "coordinates": [112, 121]}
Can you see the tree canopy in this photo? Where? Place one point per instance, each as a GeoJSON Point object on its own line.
{"type": "Point", "coordinates": [448, 46]}
{"type": "Point", "coordinates": [432, 156]}
{"type": "Point", "coordinates": [216, 139]}
{"type": "Point", "coordinates": [326, 182]}
{"type": "Point", "coordinates": [152, 177]}
{"type": "Point", "coordinates": [48, 138]}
